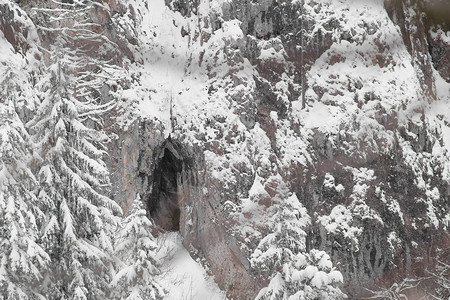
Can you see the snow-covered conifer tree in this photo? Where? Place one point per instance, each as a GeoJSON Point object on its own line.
{"type": "Point", "coordinates": [22, 260]}
{"type": "Point", "coordinates": [282, 255]}
{"type": "Point", "coordinates": [277, 250]}
{"type": "Point", "coordinates": [135, 247]}
{"type": "Point", "coordinates": [72, 175]}
{"type": "Point", "coordinates": [68, 131]}
{"type": "Point", "coordinates": [313, 277]}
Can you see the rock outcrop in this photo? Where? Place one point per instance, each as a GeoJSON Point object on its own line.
{"type": "Point", "coordinates": [223, 103]}
{"type": "Point", "coordinates": [329, 98]}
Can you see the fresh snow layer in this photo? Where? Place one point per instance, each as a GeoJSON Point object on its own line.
{"type": "Point", "coordinates": [441, 108]}
{"type": "Point", "coordinates": [181, 276]}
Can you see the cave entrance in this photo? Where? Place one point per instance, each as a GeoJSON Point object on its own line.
{"type": "Point", "coordinates": [163, 203]}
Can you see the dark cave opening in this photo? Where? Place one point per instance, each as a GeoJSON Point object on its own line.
{"type": "Point", "coordinates": [163, 201]}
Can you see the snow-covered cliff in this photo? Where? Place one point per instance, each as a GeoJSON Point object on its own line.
{"type": "Point", "coordinates": [226, 109]}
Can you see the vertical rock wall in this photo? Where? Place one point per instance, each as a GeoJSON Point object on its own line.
{"type": "Point", "coordinates": [137, 152]}
{"type": "Point", "coordinates": [329, 99]}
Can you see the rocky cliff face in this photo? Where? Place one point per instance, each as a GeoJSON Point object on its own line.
{"type": "Point", "coordinates": [225, 102]}
{"type": "Point", "coordinates": [335, 100]}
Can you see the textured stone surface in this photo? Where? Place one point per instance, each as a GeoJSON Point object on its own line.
{"type": "Point", "coordinates": [326, 100]}
{"type": "Point", "coordinates": [383, 168]}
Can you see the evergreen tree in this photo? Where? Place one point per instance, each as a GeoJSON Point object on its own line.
{"type": "Point", "coordinates": [68, 131]}
{"type": "Point", "coordinates": [277, 250]}
{"type": "Point", "coordinates": [312, 276]}
{"type": "Point", "coordinates": [280, 254]}
{"type": "Point", "coordinates": [93, 54]}
{"type": "Point", "coordinates": [22, 260]}
{"type": "Point", "coordinates": [135, 247]}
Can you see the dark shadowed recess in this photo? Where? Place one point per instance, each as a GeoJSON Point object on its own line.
{"type": "Point", "coordinates": [163, 201]}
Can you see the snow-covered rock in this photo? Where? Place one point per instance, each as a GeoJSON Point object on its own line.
{"type": "Point", "coordinates": [222, 105]}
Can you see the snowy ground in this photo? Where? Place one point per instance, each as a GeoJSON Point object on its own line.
{"type": "Point", "coordinates": [181, 276]}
